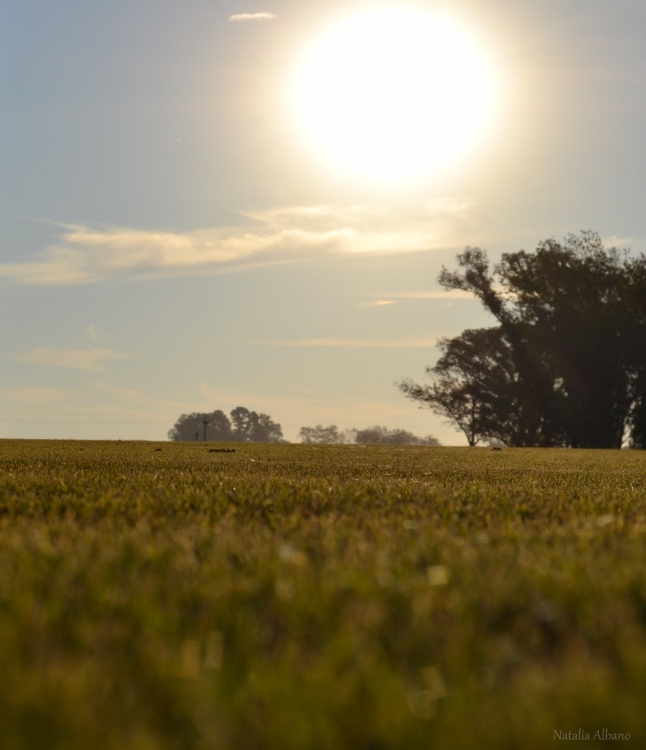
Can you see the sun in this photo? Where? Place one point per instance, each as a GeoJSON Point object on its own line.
{"type": "Point", "coordinates": [394, 94]}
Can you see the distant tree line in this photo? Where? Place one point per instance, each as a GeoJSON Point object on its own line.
{"type": "Point", "coordinates": [566, 363]}
{"type": "Point", "coordinates": [242, 426]}
{"type": "Point", "coordinates": [330, 435]}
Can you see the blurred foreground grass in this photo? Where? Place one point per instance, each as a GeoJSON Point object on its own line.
{"type": "Point", "coordinates": [334, 598]}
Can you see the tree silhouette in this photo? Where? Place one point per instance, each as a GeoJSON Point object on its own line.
{"type": "Point", "coordinates": [572, 321]}
{"type": "Point", "coordinates": [244, 426]}
{"type": "Point", "coordinates": [218, 427]}
{"type": "Point", "coordinates": [250, 427]}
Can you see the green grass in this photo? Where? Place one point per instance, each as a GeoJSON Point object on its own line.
{"type": "Point", "coordinates": [295, 597]}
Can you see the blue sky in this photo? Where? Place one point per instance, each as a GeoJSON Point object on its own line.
{"type": "Point", "coordinates": [171, 242]}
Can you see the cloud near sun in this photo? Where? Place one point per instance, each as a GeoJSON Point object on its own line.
{"type": "Point", "coordinates": [83, 254]}
{"type": "Point", "coordinates": [251, 17]}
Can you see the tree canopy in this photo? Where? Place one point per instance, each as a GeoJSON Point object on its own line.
{"type": "Point", "coordinates": [566, 364]}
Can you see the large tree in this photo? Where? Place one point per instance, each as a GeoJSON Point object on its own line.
{"type": "Point", "coordinates": [572, 316]}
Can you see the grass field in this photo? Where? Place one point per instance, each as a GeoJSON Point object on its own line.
{"type": "Point", "coordinates": [292, 597]}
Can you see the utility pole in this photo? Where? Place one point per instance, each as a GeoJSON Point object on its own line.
{"type": "Point", "coordinates": [204, 423]}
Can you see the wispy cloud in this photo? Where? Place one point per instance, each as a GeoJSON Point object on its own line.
{"type": "Point", "coordinates": [377, 303]}
{"type": "Point", "coordinates": [91, 332]}
{"type": "Point", "coordinates": [35, 396]}
{"type": "Point", "coordinates": [444, 295]}
{"type": "Point", "coordinates": [614, 240]}
{"type": "Point", "coordinates": [84, 254]}
{"type": "Point", "coordinates": [77, 359]}
{"type": "Point", "coordinates": [355, 343]}
{"type": "Point", "coordinates": [138, 398]}
{"type": "Point", "coordinates": [627, 243]}
{"type": "Point", "coordinates": [129, 394]}
{"type": "Point", "coordinates": [251, 17]}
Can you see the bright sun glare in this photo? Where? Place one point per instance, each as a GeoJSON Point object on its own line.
{"type": "Point", "coordinates": [394, 94]}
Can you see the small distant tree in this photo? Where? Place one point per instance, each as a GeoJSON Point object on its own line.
{"type": "Point", "coordinates": [244, 427]}
{"type": "Point", "coordinates": [218, 427]}
{"type": "Point", "coordinates": [322, 435]}
{"type": "Point", "coordinates": [383, 436]}
{"type": "Point", "coordinates": [250, 427]}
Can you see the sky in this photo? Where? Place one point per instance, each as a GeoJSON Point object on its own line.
{"type": "Point", "coordinates": [177, 236]}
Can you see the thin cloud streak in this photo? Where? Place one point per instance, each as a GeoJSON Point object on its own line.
{"type": "Point", "coordinates": [451, 294]}
{"type": "Point", "coordinates": [90, 360]}
{"type": "Point", "coordinates": [85, 255]}
{"type": "Point", "coordinates": [354, 343]}
{"type": "Point", "coordinates": [238, 17]}
{"type": "Point", "coordinates": [378, 303]}
{"type": "Point", "coordinates": [35, 396]}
